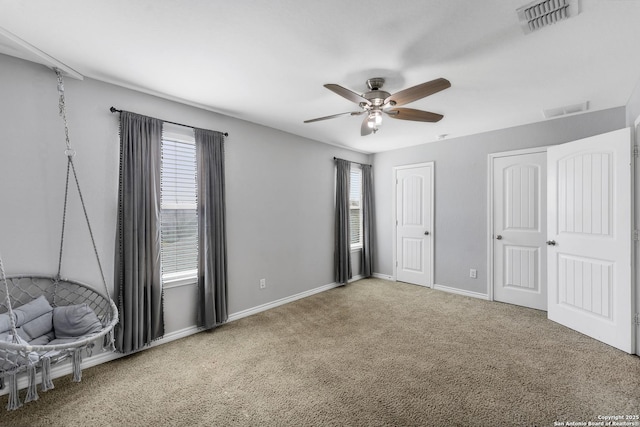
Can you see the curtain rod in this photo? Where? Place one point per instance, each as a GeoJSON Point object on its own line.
{"type": "Point", "coordinates": [115, 110]}
{"type": "Point", "coordinates": [357, 163]}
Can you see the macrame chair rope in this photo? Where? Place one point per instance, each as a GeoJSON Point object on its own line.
{"type": "Point", "coordinates": [17, 357]}
{"type": "Point", "coordinates": [12, 320]}
{"type": "Point", "coordinates": [70, 153]}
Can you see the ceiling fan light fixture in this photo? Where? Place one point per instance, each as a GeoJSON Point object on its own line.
{"type": "Point", "coordinates": [375, 119]}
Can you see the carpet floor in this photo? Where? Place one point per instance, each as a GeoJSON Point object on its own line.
{"type": "Point", "coordinates": [372, 353]}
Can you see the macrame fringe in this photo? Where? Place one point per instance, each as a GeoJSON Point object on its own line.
{"type": "Point", "coordinates": [109, 342]}
{"type": "Point", "coordinates": [14, 398]}
{"type": "Point", "coordinates": [32, 391]}
{"type": "Point", "coordinates": [47, 384]}
{"type": "Point", "coordinates": [77, 361]}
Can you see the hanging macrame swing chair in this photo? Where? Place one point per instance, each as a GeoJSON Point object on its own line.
{"type": "Point", "coordinates": [47, 319]}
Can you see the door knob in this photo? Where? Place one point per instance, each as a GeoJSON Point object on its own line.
{"type": "Point", "coordinates": [499, 237]}
{"type": "Point", "coordinates": [426, 233]}
{"type": "Point", "coordinates": [551, 242]}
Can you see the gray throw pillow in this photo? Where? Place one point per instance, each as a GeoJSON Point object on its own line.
{"type": "Point", "coordinates": [39, 326]}
{"type": "Point", "coordinates": [42, 340]}
{"type": "Point", "coordinates": [31, 310]}
{"type": "Point", "coordinates": [5, 322]}
{"type": "Point", "coordinates": [73, 321]}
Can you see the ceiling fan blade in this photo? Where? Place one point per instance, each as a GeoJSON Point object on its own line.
{"type": "Point", "coordinates": [365, 129]}
{"type": "Point", "coordinates": [346, 93]}
{"type": "Point", "coordinates": [416, 92]}
{"type": "Point", "coordinates": [354, 113]}
{"type": "Point", "coordinates": [414, 115]}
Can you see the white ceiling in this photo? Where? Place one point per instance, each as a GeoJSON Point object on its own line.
{"type": "Point", "coordinates": [266, 61]}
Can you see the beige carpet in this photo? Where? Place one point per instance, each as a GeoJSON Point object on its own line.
{"type": "Point", "coordinates": [372, 353]}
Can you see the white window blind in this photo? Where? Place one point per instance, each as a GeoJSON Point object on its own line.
{"type": "Point", "coordinates": [355, 205]}
{"type": "Point", "coordinates": [179, 218]}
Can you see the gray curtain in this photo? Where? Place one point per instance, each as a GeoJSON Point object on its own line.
{"type": "Point", "coordinates": [212, 241]}
{"type": "Point", "coordinates": [137, 266]}
{"type": "Point", "coordinates": [367, 221]}
{"type": "Point", "coordinates": [342, 248]}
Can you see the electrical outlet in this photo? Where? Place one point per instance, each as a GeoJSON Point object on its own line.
{"type": "Point", "coordinates": [263, 283]}
{"type": "Point", "coordinates": [473, 273]}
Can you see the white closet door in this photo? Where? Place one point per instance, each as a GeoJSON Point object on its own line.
{"type": "Point", "coordinates": [519, 224]}
{"type": "Point", "coordinates": [589, 237]}
{"type": "Point", "coordinates": [414, 221]}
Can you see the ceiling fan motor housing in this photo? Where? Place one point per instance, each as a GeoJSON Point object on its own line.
{"type": "Point", "coordinates": [375, 95]}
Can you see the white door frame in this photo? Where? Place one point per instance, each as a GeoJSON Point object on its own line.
{"type": "Point", "coordinates": [394, 218]}
{"type": "Point", "coordinates": [490, 213]}
{"type": "Point", "coordinates": [635, 221]}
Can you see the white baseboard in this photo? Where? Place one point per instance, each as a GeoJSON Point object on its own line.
{"type": "Point", "coordinates": [64, 368]}
{"type": "Point", "coordinates": [282, 301]}
{"type": "Point", "coordinates": [382, 276]}
{"type": "Point", "coordinates": [461, 292]}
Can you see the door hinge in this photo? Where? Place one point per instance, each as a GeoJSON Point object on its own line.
{"type": "Point", "coordinates": [636, 235]}
{"type": "Point", "coordinates": [636, 319]}
{"type": "Point", "coordinates": [636, 153]}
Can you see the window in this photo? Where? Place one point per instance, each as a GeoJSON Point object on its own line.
{"type": "Point", "coordinates": [178, 215]}
{"type": "Point", "coordinates": [355, 206]}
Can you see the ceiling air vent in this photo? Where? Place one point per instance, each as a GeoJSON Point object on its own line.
{"type": "Point", "coordinates": [567, 109]}
{"type": "Point", "coordinates": [541, 13]}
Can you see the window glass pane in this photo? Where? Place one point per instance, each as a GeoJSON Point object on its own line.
{"type": "Point", "coordinates": [354, 219]}
{"type": "Point", "coordinates": [178, 173]}
{"type": "Point", "coordinates": [178, 216]}
{"type": "Point", "coordinates": [355, 201]}
{"type": "Point", "coordinates": [179, 240]}
{"type": "Point", "coordinates": [355, 189]}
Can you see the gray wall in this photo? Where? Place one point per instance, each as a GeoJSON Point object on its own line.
{"type": "Point", "coordinates": [280, 190]}
{"type": "Point", "coordinates": [461, 190]}
{"type": "Point", "coordinates": [633, 106]}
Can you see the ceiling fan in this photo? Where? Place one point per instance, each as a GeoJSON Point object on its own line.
{"type": "Point", "coordinates": [376, 101]}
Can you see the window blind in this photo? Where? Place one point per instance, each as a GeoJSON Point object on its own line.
{"type": "Point", "coordinates": [179, 220]}
{"type": "Point", "coordinates": [355, 202]}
